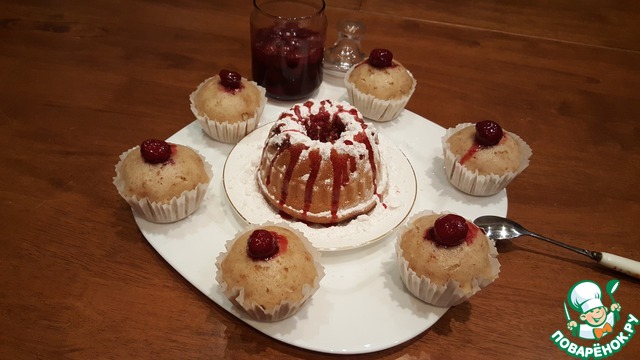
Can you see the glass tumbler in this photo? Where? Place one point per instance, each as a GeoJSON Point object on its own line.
{"type": "Point", "coordinates": [287, 46]}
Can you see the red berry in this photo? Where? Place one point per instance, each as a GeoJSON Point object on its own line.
{"type": "Point", "coordinates": [230, 79]}
{"type": "Point", "coordinates": [488, 133]}
{"type": "Point", "coordinates": [450, 230]}
{"type": "Point", "coordinates": [380, 58]}
{"type": "Point", "coordinates": [262, 244]}
{"type": "Point", "coordinates": [324, 128]}
{"type": "Point", "coordinates": [155, 151]}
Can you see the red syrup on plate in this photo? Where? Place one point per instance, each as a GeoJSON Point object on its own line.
{"type": "Point", "coordinates": [287, 61]}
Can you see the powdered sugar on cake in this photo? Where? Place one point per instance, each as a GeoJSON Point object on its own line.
{"type": "Point", "coordinates": [292, 127]}
{"type": "Point", "coordinates": [321, 163]}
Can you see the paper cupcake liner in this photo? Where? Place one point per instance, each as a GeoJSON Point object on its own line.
{"type": "Point", "coordinates": [286, 308]}
{"type": "Point", "coordinates": [449, 294]}
{"type": "Point", "coordinates": [178, 208]}
{"type": "Point", "coordinates": [224, 131]}
{"type": "Point", "coordinates": [472, 182]}
{"type": "Point", "coordinates": [374, 108]}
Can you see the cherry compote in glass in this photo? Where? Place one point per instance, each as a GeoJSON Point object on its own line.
{"type": "Point", "coordinates": [287, 47]}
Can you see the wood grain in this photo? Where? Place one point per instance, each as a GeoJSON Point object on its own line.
{"type": "Point", "coordinates": [585, 22]}
{"type": "Point", "coordinates": [80, 82]}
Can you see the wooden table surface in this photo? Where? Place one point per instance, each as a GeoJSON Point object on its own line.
{"type": "Point", "coordinates": [82, 81]}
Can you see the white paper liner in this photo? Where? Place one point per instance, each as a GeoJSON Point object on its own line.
{"type": "Point", "coordinates": [225, 131]}
{"type": "Point", "coordinates": [178, 208]}
{"type": "Point", "coordinates": [472, 182]}
{"type": "Point", "coordinates": [449, 294]}
{"type": "Point", "coordinates": [286, 308]}
{"type": "Point", "coordinates": [374, 108]}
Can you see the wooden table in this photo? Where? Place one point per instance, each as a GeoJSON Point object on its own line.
{"type": "Point", "coordinates": [82, 81]}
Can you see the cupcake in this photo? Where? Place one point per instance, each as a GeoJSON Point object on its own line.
{"type": "Point", "coordinates": [379, 86]}
{"type": "Point", "coordinates": [444, 259]}
{"type": "Point", "coordinates": [162, 182]}
{"type": "Point", "coordinates": [228, 106]}
{"type": "Point", "coordinates": [269, 271]}
{"type": "Point", "coordinates": [483, 159]}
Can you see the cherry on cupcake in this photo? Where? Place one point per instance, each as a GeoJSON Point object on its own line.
{"type": "Point", "coordinates": [230, 79]}
{"type": "Point", "coordinates": [450, 230]}
{"type": "Point", "coordinates": [380, 58]}
{"type": "Point", "coordinates": [262, 244]}
{"type": "Point", "coordinates": [155, 151]}
{"type": "Point", "coordinates": [488, 133]}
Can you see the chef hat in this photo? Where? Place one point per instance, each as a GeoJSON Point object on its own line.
{"type": "Point", "coordinates": [585, 296]}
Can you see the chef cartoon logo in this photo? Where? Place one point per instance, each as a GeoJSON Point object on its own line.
{"type": "Point", "coordinates": [596, 319]}
{"type": "Point", "coordinates": [593, 320]}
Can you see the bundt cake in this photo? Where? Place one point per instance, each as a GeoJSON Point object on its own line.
{"type": "Point", "coordinates": [321, 163]}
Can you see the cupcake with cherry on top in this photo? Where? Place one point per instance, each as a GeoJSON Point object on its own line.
{"type": "Point", "coordinates": [444, 259]}
{"type": "Point", "coordinates": [161, 181]}
{"type": "Point", "coordinates": [269, 271]}
{"type": "Point", "coordinates": [379, 86]}
{"type": "Point", "coordinates": [481, 159]}
{"type": "Point", "coordinates": [228, 106]}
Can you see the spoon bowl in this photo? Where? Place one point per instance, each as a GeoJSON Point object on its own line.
{"type": "Point", "coordinates": [500, 228]}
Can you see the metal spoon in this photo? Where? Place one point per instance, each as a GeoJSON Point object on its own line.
{"type": "Point", "coordinates": [499, 228]}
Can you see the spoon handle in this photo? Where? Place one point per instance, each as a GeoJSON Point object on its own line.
{"type": "Point", "coordinates": [622, 264]}
{"type": "Point", "coordinates": [592, 254]}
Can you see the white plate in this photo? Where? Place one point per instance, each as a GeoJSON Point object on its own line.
{"type": "Point", "coordinates": [240, 185]}
{"type": "Point", "coordinates": [362, 305]}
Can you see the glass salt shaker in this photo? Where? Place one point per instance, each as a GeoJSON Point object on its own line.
{"type": "Point", "coordinates": [346, 51]}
